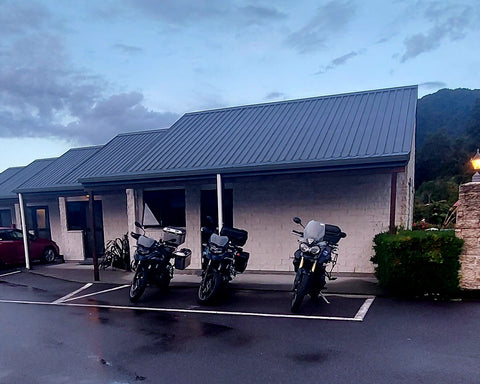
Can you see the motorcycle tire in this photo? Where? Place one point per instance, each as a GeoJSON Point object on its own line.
{"type": "Point", "coordinates": [209, 288]}
{"type": "Point", "coordinates": [163, 283]}
{"type": "Point", "coordinates": [139, 283]}
{"type": "Point", "coordinates": [299, 293]}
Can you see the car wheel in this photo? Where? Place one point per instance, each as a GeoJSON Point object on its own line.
{"type": "Point", "coordinates": [49, 255]}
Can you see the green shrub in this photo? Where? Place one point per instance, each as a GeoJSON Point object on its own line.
{"type": "Point", "coordinates": [417, 263]}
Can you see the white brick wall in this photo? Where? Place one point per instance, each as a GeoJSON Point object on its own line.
{"type": "Point", "coordinates": [358, 202]}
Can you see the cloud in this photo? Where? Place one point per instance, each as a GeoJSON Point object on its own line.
{"type": "Point", "coordinates": [331, 18]}
{"type": "Point", "coordinates": [339, 61]}
{"type": "Point", "coordinates": [118, 113]}
{"type": "Point", "coordinates": [18, 17]}
{"type": "Point", "coordinates": [433, 85]}
{"type": "Point", "coordinates": [448, 22]}
{"type": "Point", "coordinates": [128, 49]}
{"type": "Point", "coordinates": [185, 13]}
{"type": "Point", "coordinates": [42, 94]}
{"type": "Point", "coordinates": [274, 96]}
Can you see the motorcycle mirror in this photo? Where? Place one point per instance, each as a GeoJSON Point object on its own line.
{"type": "Point", "coordinates": [297, 220]}
{"type": "Point", "coordinates": [210, 220]}
{"type": "Point", "coordinates": [138, 225]}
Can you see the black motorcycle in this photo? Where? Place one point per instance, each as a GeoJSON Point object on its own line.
{"type": "Point", "coordinates": [317, 248]}
{"type": "Point", "coordinates": [222, 259]}
{"type": "Point", "coordinates": [152, 260]}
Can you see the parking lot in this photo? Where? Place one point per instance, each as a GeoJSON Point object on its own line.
{"type": "Point", "coordinates": [85, 332]}
{"type": "Point", "coordinates": [38, 289]}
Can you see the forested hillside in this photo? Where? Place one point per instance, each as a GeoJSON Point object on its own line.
{"type": "Point", "coordinates": [448, 133]}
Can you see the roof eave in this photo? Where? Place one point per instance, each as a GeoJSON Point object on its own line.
{"type": "Point", "coordinates": [398, 160]}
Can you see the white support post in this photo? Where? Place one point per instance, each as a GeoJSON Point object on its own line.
{"type": "Point", "coordinates": [24, 231]}
{"type": "Point", "coordinates": [219, 202]}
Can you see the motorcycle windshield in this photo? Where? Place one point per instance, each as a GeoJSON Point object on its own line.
{"type": "Point", "coordinates": [314, 231]}
{"type": "Point", "coordinates": [219, 241]}
{"type": "Point", "coordinates": [145, 241]}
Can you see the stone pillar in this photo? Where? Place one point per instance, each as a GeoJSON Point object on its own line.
{"type": "Point", "coordinates": [468, 229]}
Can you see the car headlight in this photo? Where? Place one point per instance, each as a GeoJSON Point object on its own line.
{"type": "Point", "coordinates": [304, 247]}
{"type": "Point", "coordinates": [315, 250]}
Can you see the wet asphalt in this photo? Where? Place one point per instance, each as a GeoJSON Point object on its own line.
{"type": "Point", "coordinates": [97, 336]}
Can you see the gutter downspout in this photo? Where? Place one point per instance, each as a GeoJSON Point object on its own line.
{"type": "Point", "coordinates": [220, 202]}
{"type": "Point", "coordinates": [24, 231]}
{"type": "Point", "coordinates": [393, 201]}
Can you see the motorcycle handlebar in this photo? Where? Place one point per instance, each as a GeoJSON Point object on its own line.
{"type": "Point", "coordinates": [297, 232]}
{"type": "Point", "coordinates": [135, 235]}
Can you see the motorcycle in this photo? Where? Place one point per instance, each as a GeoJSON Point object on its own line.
{"type": "Point", "coordinates": [317, 248]}
{"type": "Point", "coordinates": [153, 259]}
{"type": "Point", "coordinates": [222, 259]}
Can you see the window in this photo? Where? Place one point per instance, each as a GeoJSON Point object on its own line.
{"type": "Point", "coordinates": [77, 215]}
{"type": "Point", "coordinates": [5, 218]}
{"type": "Point", "coordinates": [164, 208]}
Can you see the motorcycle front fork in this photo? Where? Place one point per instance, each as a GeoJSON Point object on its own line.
{"type": "Point", "coordinates": [308, 274]}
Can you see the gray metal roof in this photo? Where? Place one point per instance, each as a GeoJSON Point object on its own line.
{"type": "Point", "coordinates": [9, 185]}
{"type": "Point", "coordinates": [50, 178]}
{"type": "Point", "coordinates": [370, 127]}
{"type": "Point", "coordinates": [9, 172]}
{"type": "Point", "coordinates": [117, 155]}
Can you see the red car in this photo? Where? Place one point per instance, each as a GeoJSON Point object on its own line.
{"type": "Point", "coordinates": [11, 248]}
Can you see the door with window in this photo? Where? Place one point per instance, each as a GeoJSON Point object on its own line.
{"type": "Point", "coordinates": [77, 219]}
{"type": "Point", "coordinates": [38, 221]}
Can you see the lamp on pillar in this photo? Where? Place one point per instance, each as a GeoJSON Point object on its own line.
{"type": "Point", "coordinates": [475, 160]}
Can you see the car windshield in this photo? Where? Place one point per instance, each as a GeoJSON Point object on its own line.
{"type": "Point", "coordinates": [314, 230]}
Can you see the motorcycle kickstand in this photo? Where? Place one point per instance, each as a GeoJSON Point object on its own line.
{"type": "Point", "coordinates": [323, 297]}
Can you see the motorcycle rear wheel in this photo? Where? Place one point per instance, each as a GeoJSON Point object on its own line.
{"type": "Point", "coordinates": [299, 293]}
{"type": "Point", "coordinates": [209, 288]}
{"type": "Point", "coordinates": [139, 284]}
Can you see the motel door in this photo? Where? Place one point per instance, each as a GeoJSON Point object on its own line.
{"type": "Point", "coordinates": [38, 221]}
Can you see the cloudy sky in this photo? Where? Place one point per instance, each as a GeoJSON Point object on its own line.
{"type": "Point", "coordinates": [76, 73]}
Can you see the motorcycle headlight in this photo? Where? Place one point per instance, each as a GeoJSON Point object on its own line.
{"type": "Point", "coordinates": [315, 250]}
{"type": "Point", "coordinates": [216, 250]}
{"type": "Point", "coordinates": [304, 247]}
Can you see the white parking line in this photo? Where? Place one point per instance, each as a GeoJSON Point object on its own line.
{"type": "Point", "coordinates": [95, 293]}
{"type": "Point", "coordinates": [364, 309]}
{"type": "Point", "coordinates": [64, 298]}
{"type": "Point", "coordinates": [358, 317]}
{"type": "Point", "coordinates": [10, 273]}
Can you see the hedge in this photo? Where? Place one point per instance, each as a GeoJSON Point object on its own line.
{"type": "Point", "coordinates": [418, 263]}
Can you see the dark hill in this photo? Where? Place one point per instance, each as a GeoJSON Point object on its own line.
{"type": "Point", "coordinates": [448, 109]}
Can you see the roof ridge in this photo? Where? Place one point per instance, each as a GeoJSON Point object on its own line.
{"type": "Point", "coordinates": [156, 130]}
{"type": "Point", "coordinates": [333, 96]}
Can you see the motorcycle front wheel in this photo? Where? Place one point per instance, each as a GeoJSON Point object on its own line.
{"type": "Point", "coordinates": [139, 284]}
{"type": "Point", "coordinates": [299, 292]}
{"type": "Point", "coordinates": [209, 288]}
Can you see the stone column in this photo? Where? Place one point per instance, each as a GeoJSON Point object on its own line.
{"type": "Point", "coordinates": [468, 229]}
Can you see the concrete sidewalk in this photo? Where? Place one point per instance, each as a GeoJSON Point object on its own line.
{"type": "Point", "coordinates": [73, 271]}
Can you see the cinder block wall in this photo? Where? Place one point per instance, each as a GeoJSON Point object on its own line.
{"type": "Point", "coordinates": [467, 228]}
{"type": "Point", "coordinates": [114, 210]}
{"type": "Point", "coordinates": [358, 203]}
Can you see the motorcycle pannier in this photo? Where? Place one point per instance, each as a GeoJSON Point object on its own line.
{"type": "Point", "coordinates": [182, 258]}
{"type": "Point", "coordinates": [238, 237]}
{"type": "Point", "coordinates": [333, 234]}
{"type": "Point", "coordinates": [240, 261]}
{"type": "Point", "coordinates": [173, 235]}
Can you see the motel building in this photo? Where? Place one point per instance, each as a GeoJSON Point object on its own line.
{"type": "Point", "coordinates": [344, 159]}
